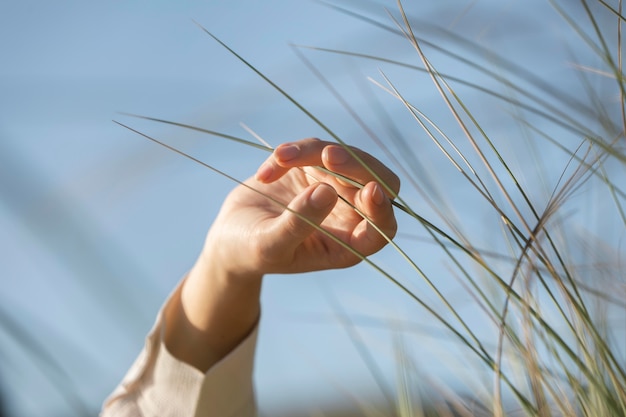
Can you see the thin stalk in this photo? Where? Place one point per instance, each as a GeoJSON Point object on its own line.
{"type": "Point", "coordinates": [263, 147]}
{"type": "Point", "coordinates": [560, 118]}
{"type": "Point", "coordinates": [605, 50]}
{"type": "Point", "coordinates": [572, 154]}
{"type": "Point", "coordinates": [622, 100]}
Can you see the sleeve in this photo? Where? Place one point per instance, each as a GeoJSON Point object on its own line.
{"type": "Point", "coordinates": [158, 384]}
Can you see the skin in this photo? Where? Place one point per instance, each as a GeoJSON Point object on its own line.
{"type": "Point", "coordinates": [218, 304]}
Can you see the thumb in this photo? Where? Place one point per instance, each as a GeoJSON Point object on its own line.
{"type": "Point", "coordinates": [306, 211]}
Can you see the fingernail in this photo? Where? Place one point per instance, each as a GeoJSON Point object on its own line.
{"type": "Point", "coordinates": [287, 152]}
{"type": "Point", "coordinates": [378, 196]}
{"type": "Point", "coordinates": [337, 155]}
{"type": "Point", "coordinates": [264, 172]}
{"type": "Point", "coordinates": [322, 197]}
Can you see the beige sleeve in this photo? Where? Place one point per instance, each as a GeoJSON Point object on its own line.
{"type": "Point", "coordinates": [160, 385]}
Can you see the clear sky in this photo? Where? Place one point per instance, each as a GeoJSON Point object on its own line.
{"type": "Point", "coordinates": [97, 225]}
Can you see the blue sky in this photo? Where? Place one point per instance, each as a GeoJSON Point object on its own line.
{"type": "Point", "coordinates": [99, 225]}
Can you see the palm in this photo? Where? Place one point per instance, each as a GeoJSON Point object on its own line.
{"type": "Point", "coordinates": [256, 210]}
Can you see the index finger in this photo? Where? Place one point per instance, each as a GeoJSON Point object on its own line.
{"type": "Point", "coordinates": [350, 162]}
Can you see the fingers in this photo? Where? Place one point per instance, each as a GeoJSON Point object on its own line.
{"type": "Point", "coordinates": [379, 225]}
{"type": "Point", "coordinates": [302, 153]}
{"type": "Point", "coordinates": [314, 152]}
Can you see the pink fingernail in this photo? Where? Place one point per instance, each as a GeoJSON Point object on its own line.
{"type": "Point", "coordinates": [322, 197]}
{"type": "Point", "coordinates": [337, 155]}
{"type": "Point", "coordinates": [287, 152]}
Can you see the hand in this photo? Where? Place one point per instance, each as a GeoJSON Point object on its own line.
{"type": "Point", "coordinates": [218, 303]}
{"type": "Point", "coordinates": [254, 235]}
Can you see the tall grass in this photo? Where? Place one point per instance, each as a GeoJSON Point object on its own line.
{"type": "Point", "coordinates": [549, 288]}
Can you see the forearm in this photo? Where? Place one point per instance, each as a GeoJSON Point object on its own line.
{"type": "Point", "coordinates": [211, 314]}
{"type": "Point", "coordinates": [177, 381]}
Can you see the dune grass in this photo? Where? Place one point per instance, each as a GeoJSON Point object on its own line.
{"type": "Point", "coordinates": [552, 289]}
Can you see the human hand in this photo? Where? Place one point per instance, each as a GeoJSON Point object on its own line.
{"type": "Point", "coordinates": [253, 235]}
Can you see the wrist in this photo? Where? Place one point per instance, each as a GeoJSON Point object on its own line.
{"type": "Point", "coordinates": [228, 259]}
{"type": "Point", "coordinates": [211, 314]}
